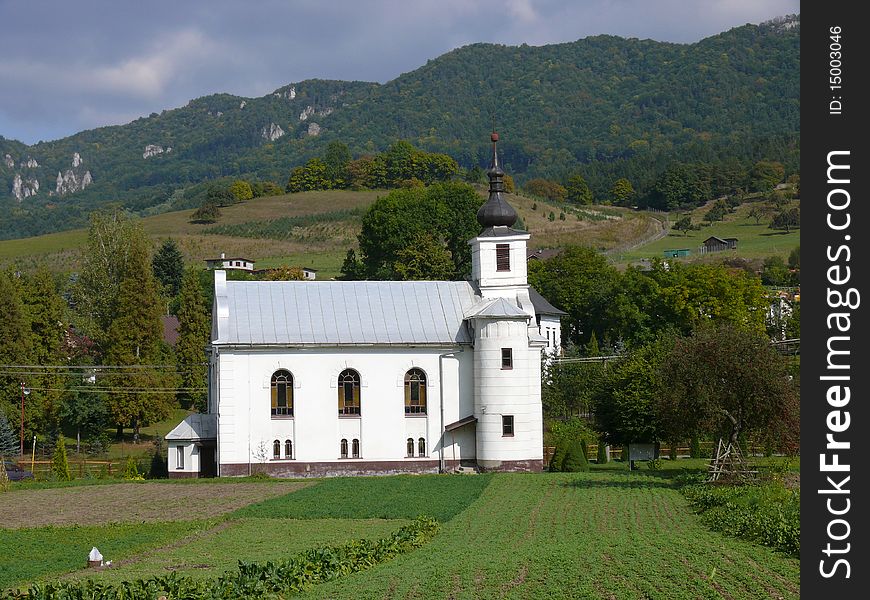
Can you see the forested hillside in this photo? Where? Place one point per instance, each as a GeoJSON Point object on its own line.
{"type": "Point", "coordinates": [604, 107]}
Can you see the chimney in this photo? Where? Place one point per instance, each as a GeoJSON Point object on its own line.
{"type": "Point", "coordinates": [223, 255]}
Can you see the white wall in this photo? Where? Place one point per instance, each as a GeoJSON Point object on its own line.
{"type": "Point", "coordinates": [244, 411]}
{"type": "Point", "coordinates": [500, 392]}
{"type": "Point", "coordinates": [191, 457]}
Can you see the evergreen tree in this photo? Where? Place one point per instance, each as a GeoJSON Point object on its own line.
{"type": "Point", "coordinates": [134, 339]}
{"type": "Point", "coordinates": [8, 439]}
{"type": "Point", "coordinates": [352, 268]}
{"type": "Point", "coordinates": [575, 458]}
{"type": "Point", "coordinates": [168, 266]}
{"type": "Point", "coordinates": [59, 463]}
{"type": "Point", "coordinates": [193, 335]}
{"type": "Point", "coordinates": [602, 452]}
{"type": "Point", "coordinates": [46, 311]}
{"type": "Point", "coordinates": [16, 347]}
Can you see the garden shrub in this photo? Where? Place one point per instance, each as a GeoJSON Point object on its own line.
{"type": "Point", "coordinates": [585, 447]}
{"type": "Point", "coordinates": [575, 459]}
{"type": "Point", "coordinates": [131, 470]}
{"type": "Point", "coordinates": [654, 464]}
{"type": "Point", "coordinates": [767, 514]}
{"type": "Point", "coordinates": [59, 463]}
{"type": "Point", "coordinates": [602, 452]}
{"type": "Point", "coordinates": [558, 458]}
{"type": "Point", "coordinates": [695, 447]}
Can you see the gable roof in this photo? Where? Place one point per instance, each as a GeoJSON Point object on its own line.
{"type": "Point", "coordinates": [195, 427]}
{"type": "Point", "coordinates": [342, 313]}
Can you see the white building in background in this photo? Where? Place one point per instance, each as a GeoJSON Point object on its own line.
{"type": "Point", "coordinates": [235, 263]}
{"type": "Point", "coordinates": [316, 378]}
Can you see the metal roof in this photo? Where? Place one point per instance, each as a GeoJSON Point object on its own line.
{"type": "Point", "coordinates": [496, 308]}
{"type": "Point", "coordinates": [342, 313]}
{"type": "Point", "coordinates": [195, 427]}
{"type": "Point", "coordinates": [542, 306]}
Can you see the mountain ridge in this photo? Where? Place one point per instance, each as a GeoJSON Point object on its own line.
{"type": "Point", "coordinates": [602, 104]}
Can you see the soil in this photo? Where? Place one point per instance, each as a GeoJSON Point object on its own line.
{"type": "Point", "coordinates": [132, 502]}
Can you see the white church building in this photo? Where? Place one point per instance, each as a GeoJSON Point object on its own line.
{"type": "Point", "coordinates": [319, 378]}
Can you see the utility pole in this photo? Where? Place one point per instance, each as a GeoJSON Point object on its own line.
{"type": "Point", "coordinates": [21, 437]}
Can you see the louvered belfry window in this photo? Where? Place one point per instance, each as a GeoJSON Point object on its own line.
{"type": "Point", "coordinates": [502, 257]}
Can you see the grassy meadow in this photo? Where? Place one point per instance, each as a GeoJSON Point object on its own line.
{"type": "Point", "coordinates": [755, 239]}
{"type": "Point", "coordinates": [606, 534]}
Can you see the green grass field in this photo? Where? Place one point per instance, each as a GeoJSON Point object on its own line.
{"type": "Point", "coordinates": [599, 535]}
{"type": "Point", "coordinates": [755, 240]}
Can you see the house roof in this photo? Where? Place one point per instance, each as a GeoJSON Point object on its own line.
{"type": "Point", "coordinates": [195, 427]}
{"type": "Point", "coordinates": [543, 253]}
{"type": "Point", "coordinates": [223, 258]}
{"type": "Point", "coordinates": [460, 423]}
{"type": "Point", "coordinates": [170, 329]}
{"type": "Point", "coordinates": [344, 313]}
{"type": "Point", "coordinates": [542, 307]}
{"type": "Point", "coordinates": [495, 308]}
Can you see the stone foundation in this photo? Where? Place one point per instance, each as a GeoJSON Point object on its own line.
{"type": "Point", "coordinates": [183, 475]}
{"type": "Point", "coordinates": [331, 469]}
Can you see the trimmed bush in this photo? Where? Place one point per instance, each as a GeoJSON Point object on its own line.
{"type": "Point", "coordinates": [558, 458]}
{"type": "Point", "coordinates": [59, 463]}
{"type": "Point", "coordinates": [575, 458]}
{"type": "Point", "coordinates": [602, 452]}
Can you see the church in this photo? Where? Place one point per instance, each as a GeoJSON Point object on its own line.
{"type": "Point", "coordinates": [323, 378]}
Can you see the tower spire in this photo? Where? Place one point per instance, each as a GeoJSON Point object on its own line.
{"type": "Point", "coordinates": [496, 212]}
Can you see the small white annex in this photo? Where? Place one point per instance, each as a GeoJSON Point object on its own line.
{"type": "Point", "coordinates": [315, 378]}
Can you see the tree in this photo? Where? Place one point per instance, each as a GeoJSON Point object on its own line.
{"type": "Point", "coordinates": [220, 196]}
{"type": "Point", "coordinates": [209, 212]}
{"type": "Point", "coordinates": [241, 190]}
{"type": "Point", "coordinates": [758, 212]}
{"type": "Point", "coordinates": [134, 340]}
{"type": "Point", "coordinates": [445, 211]}
{"type": "Point", "coordinates": [310, 177]}
{"type": "Point", "coordinates": [735, 385]}
{"type": "Point", "coordinates": [786, 219]}
{"type": "Point", "coordinates": [717, 212]}
{"type": "Point", "coordinates": [285, 274]}
{"type": "Point", "coordinates": [117, 250]}
{"type": "Point", "coordinates": [16, 348]}
{"type": "Point", "coordinates": [684, 224]}
{"type": "Point", "coordinates": [59, 463]}
{"type": "Point", "coordinates": [765, 175]}
{"type": "Point", "coordinates": [87, 414]}
{"type": "Point", "coordinates": [336, 158]}
{"type": "Point", "coordinates": [622, 193]}
{"type": "Point", "coordinates": [9, 444]}
{"type": "Point", "coordinates": [578, 191]}
{"type": "Point", "coordinates": [625, 403]}
{"type": "Point", "coordinates": [425, 258]}
{"type": "Point", "coordinates": [168, 266]}
{"type": "Point", "coordinates": [45, 308]}
{"type": "Point", "coordinates": [509, 185]}
{"type": "Point", "coordinates": [194, 329]}
{"type": "Point", "coordinates": [794, 258]}
{"type": "Point", "coordinates": [775, 272]}
{"type": "Point", "coordinates": [546, 189]}
{"type": "Point", "coordinates": [352, 268]}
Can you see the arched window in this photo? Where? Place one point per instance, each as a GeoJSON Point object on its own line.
{"type": "Point", "coordinates": [288, 449]}
{"type": "Point", "coordinates": [348, 393]}
{"type": "Point", "coordinates": [421, 447]}
{"type": "Point", "coordinates": [276, 449]}
{"type": "Point", "coordinates": [410, 447]}
{"type": "Point", "coordinates": [282, 394]}
{"type": "Point", "coordinates": [415, 392]}
{"type": "Point", "coordinates": [344, 448]}
{"type": "Point", "coordinates": [356, 448]}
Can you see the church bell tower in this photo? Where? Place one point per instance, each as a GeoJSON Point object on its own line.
{"type": "Point", "coordinates": [498, 253]}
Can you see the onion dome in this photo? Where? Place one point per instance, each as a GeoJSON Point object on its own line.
{"type": "Point", "coordinates": [496, 212]}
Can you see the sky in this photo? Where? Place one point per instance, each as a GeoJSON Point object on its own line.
{"type": "Point", "coordinates": [71, 65]}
